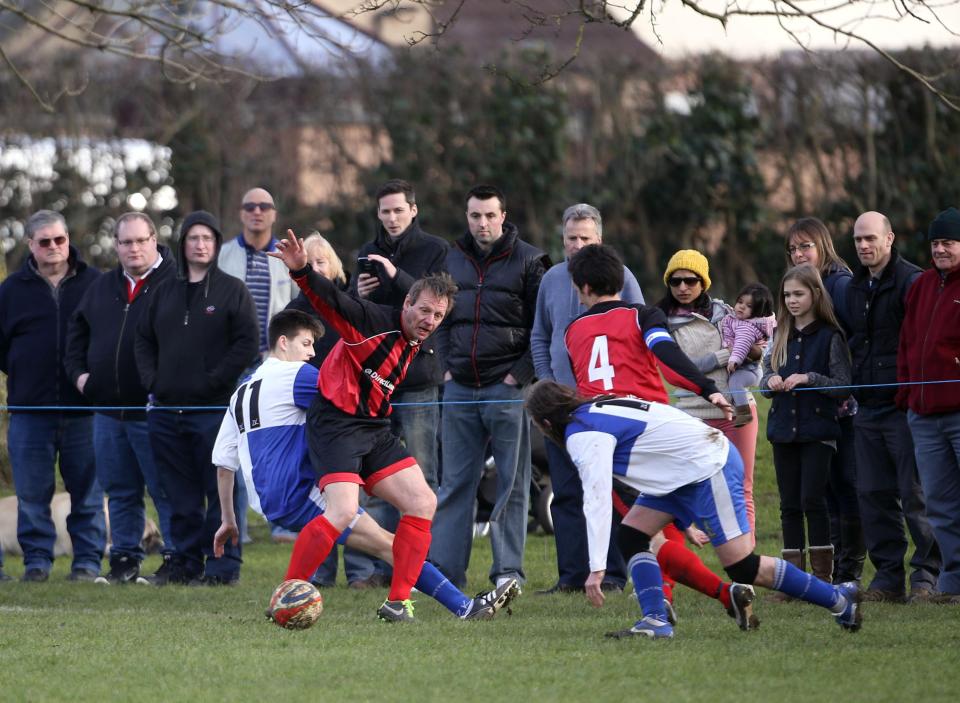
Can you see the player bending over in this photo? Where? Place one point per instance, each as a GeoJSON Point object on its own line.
{"type": "Point", "coordinates": [685, 471]}
{"type": "Point", "coordinates": [620, 349]}
{"type": "Point", "coordinates": [262, 435]}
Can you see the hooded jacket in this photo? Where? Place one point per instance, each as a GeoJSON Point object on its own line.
{"type": "Point", "coordinates": [415, 254]}
{"type": "Point", "coordinates": [487, 336]}
{"type": "Point", "coordinates": [33, 332]}
{"type": "Point", "coordinates": [100, 339]}
{"type": "Point", "coordinates": [192, 345]}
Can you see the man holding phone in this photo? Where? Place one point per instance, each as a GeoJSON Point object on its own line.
{"type": "Point", "coordinates": [387, 266]}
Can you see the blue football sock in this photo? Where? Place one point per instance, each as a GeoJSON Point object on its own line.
{"type": "Point", "coordinates": [648, 584]}
{"type": "Point", "coordinates": [790, 580]}
{"type": "Point", "coordinates": [434, 584]}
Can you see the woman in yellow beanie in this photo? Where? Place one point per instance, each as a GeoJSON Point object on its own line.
{"type": "Point", "coordinates": [694, 321]}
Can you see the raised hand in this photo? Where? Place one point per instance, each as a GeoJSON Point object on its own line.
{"type": "Point", "coordinates": [291, 252]}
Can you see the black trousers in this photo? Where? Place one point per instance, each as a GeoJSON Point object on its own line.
{"type": "Point", "coordinates": [889, 492]}
{"type": "Point", "coordinates": [803, 469]}
{"type": "Point", "coordinates": [182, 446]}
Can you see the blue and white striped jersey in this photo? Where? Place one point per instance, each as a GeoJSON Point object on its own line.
{"type": "Point", "coordinates": [263, 435]}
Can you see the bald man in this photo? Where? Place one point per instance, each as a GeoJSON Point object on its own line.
{"type": "Point", "coordinates": [245, 257]}
{"type": "Point", "coordinates": [888, 485]}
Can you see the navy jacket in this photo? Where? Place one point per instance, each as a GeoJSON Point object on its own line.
{"type": "Point", "coordinates": [415, 254]}
{"type": "Point", "coordinates": [805, 416]}
{"type": "Point", "coordinates": [101, 337]}
{"type": "Point", "coordinates": [487, 335]}
{"type": "Point", "coordinates": [875, 314]}
{"type": "Point", "coordinates": [33, 333]}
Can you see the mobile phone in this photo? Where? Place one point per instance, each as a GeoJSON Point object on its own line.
{"type": "Point", "coordinates": [367, 266]}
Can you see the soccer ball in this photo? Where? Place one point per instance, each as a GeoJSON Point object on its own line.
{"type": "Point", "coordinates": [295, 605]}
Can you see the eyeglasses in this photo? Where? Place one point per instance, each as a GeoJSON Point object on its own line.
{"type": "Point", "coordinates": [690, 281]}
{"type": "Point", "coordinates": [264, 207]}
{"type": "Point", "coordinates": [129, 243]}
{"type": "Point", "coordinates": [806, 246]}
{"type": "Point", "coordinates": [57, 241]}
{"type": "Point", "coordinates": [200, 239]}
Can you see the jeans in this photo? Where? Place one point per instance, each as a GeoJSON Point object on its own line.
{"type": "Point", "coordinates": [937, 444]}
{"type": "Point", "coordinates": [416, 425]}
{"type": "Point", "coordinates": [467, 430]}
{"type": "Point", "coordinates": [182, 446]}
{"type": "Point", "coordinates": [35, 443]}
{"type": "Point", "coordinates": [125, 466]}
{"type": "Point", "coordinates": [570, 526]}
{"type": "Point", "coordinates": [888, 488]}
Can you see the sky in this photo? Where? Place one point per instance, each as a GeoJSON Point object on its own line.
{"type": "Point", "coordinates": [684, 32]}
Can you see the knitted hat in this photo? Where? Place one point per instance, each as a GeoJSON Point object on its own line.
{"type": "Point", "coordinates": [691, 260]}
{"type": "Point", "coordinates": [946, 225]}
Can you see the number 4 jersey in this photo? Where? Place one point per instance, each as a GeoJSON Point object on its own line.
{"type": "Point", "coordinates": [616, 347]}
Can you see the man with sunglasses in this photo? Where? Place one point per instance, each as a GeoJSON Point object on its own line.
{"type": "Point", "coordinates": [35, 304]}
{"type": "Point", "coordinates": [245, 257]}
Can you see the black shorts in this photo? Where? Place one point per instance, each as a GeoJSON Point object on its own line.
{"type": "Point", "coordinates": [346, 448]}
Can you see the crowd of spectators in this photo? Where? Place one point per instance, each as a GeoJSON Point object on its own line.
{"type": "Point", "coordinates": [119, 378]}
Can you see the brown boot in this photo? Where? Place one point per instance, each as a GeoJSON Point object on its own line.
{"type": "Point", "coordinates": [742, 415]}
{"type": "Point", "coordinates": [821, 562]}
{"type": "Point", "coordinates": [797, 557]}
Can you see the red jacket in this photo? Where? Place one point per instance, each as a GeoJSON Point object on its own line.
{"type": "Point", "coordinates": [930, 345]}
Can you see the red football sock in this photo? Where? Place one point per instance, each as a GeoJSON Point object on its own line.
{"type": "Point", "coordinates": [410, 546]}
{"type": "Point", "coordinates": [313, 545]}
{"type": "Point", "coordinates": [682, 565]}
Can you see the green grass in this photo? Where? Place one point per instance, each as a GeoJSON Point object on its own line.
{"type": "Point", "coordinates": [81, 642]}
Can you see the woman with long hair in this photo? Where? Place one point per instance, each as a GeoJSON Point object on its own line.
{"type": "Point", "coordinates": [808, 241]}
{"type": "Point", "coordinates": [809, 359]}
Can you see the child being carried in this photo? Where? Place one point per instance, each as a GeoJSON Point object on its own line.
{"type": "Point", "coordinates": [751, 322]}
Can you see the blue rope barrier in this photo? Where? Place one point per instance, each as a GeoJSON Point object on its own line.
{"type": "Point", "coordinates": [221, 408]}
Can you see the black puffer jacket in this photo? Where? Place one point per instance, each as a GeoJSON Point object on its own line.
{"type": "Point", "coordinates": [415, 254]}
{"type": "Point", "coordinates": [192, 350]}
{"type": "Point", "coordinates": [487, 335]}
{"type": "Point", "coordinates": [101, 337]}
{"type": "Point", "coordinates": [875, 315]}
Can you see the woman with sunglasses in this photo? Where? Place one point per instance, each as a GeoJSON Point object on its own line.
{"type": "Point", "coordinates": [808, 241]}
{"type": "Point", "coordinates": [693, 318]}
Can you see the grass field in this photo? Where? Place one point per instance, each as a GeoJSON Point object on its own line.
{"type": "Point", "coordinates": [81, 642]}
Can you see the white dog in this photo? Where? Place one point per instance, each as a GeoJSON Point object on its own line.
{"type": "Point", "coordinates": [59, 509]}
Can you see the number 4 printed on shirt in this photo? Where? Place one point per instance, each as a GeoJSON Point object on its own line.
{"type": "Point", "coordinates": [600, 368]}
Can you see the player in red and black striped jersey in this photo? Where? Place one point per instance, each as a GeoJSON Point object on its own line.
{"type": "Point", "coordinates": [619, 348]}
{"type": "Point", "coordinates": [348, 430]}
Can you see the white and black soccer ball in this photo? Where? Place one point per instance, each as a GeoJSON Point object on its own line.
{"type": "Point", "coordinates": [295, 605]}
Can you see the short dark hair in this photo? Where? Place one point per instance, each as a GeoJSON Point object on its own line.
{"type": "Point", "coordinates": [440, 284]}
{"type": "Point", "coordinates": [289, 323]}
{"type": "Point", "coordinates": [761, 297]}
{"type": "Point", "coordinates": [598, 266]}
{"type": "Point", "coordinates": [485, 192]}
{"type": "Point", "coordinates": [397, 185]}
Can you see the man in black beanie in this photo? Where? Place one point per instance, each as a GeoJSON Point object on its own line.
{"type": "Point", "coordinates": [193, 342]}
{"type": "Point", "coordinates": [929, 359]}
